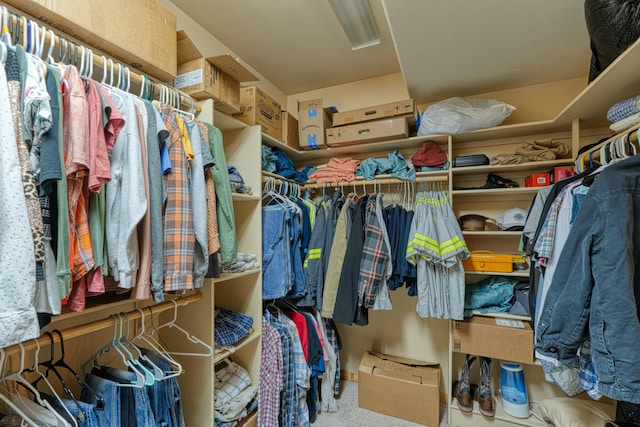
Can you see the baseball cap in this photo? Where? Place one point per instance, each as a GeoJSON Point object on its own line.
{"type": "Point", "coordinates": [512, 220]}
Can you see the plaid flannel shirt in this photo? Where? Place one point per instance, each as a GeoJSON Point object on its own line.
{"type": "Point", "coordinates": [179, 237]}
{"type": "Point", "coordinates": [271, 376]}
{"type": "Point", "coordinates": [373, 262]}
{"type": "Point", "coordinates": [288, 403]}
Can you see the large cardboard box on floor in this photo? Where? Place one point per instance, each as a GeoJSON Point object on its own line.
{"type": "Point", "coordinates": [504, 339]}
{"type": "Point", "coordinates": [290, 133]}
{"type": "Point", "coordinates": [313, 119]}
{"type": "Point", "coordinates": [258, 108]}
{"type": "Point", "coordinates": [217, 77]}
{"type": "Point", "coordinates": [406, 108]}
{"type": "Point", "coordinates": [376, 130]}
{"type": "Point", "coordinates": [140, 33]}
{"type": "Point", "coordinates": [400, 387]}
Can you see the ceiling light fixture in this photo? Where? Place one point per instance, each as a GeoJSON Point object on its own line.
{"type": "Point", "coordinates": [357, 22]}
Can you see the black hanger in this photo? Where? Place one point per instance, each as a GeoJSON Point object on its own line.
{"type": "Point", "coordinates": [100, 403]}
{"type": "Point", "coordinates": [81, 418]}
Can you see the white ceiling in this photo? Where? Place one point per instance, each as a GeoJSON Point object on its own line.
{"type": "Point", "coordinates": [443, 47]}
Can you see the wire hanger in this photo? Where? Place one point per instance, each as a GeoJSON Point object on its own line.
{"type": "Point", "coordinates": [157, 348]}
{"type": "Point", "coordinates": [172, 325]}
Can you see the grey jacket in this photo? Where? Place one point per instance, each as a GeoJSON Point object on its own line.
{"type": "Point", "coordinates": [595, 288]}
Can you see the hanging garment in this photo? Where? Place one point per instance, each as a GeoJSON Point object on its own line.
{"type": "Point", "coordinates": [271, 376]}
{"type": "Point", "coordinates": [198, 189]}
{"type": "Point", "coordinates": [224, 202]}
{"type": "Point", "coordinates": [18, 321]}
{"type": "Point", "coordinates": [437, 248]}
{"type": "Point", "coordinates": [179, 238]}
{"type": "Point", "coordinates": [336, 257]}
{"type": "Point", "coordinates": [593, 292]}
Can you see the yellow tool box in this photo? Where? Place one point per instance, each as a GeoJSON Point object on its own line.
{"type": "Point", "coordinates": [488, 261]}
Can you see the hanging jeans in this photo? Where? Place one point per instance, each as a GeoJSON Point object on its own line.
{"type": "Point", "coordinates": [299, 283]}
{"type": "Point", "coordinates": [164, 395]}
{"type": "Point", "coordinates": [110, 392]}
{"type": "Point", "coordinates": [276, 256]}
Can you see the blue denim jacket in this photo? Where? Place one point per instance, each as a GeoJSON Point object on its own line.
{"type": "Point", "coordinates": [594, 291]}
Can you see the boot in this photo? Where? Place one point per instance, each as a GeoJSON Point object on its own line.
{"type": "Point", "coordinates": [464, 397]}
{"type": "Point", "coordinates": [483, 396]}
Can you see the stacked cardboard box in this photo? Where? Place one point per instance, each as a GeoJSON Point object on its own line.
{"type": "Point", "coordinates": [258, 108]}
{"type": "Point", "coordinates": [313, 119]}
{"type": "Point", "coordinates": [378, 123]}
{"type": "Point", "coordinates": [217, 77]}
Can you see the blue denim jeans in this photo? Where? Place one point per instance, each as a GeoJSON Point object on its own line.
{"type": "Point", "coordinates": [143, 414]}
{"type": "Point", "coordinates": [276, 265]}
{"type": "Point", "coordinates": [110, 393]}
{"type": "Point", "coordinates": [164, 396]}
{"type": "Point", "coordinates": [91, 420]}
{"type": "Point", "coordinates": [299, 283]}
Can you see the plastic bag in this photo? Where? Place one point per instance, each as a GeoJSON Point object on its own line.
{"type": "Point", "coordinates": [613, 25]}
{"type": "Point", "coordinates": [459, 115]}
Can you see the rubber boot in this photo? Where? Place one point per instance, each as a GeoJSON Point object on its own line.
{"type": "Point", "coordinates": [464, 397]}
{"type": "Point", "coordinates": [484, 397]}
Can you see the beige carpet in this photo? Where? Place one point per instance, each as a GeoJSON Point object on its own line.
{"type": "Point", "coordinates": [350, 415]}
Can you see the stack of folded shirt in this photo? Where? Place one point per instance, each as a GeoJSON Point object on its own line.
{"type": "Point", "coordinates": [230, 326]}
{"type": "Point", "coordinates": [624, 114]}
{"type": "Point", "coordinates": [234, 396]}
{"type": "Point", "coordinates": [245, 262]}
{"type": "Point", "coordinates": [337, 170]}
{"type": "Point", "coordinates": [237, 182]}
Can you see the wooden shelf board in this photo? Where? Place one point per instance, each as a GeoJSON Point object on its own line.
{"type": "Point", "coordinates": [518, 273]}
{"type": "Point", "coordinates": [239, 197]}
{"type": "Point", "coordinates": [545, 165]}
{"type": "Point", "coordinates": [292, 153]}
{"type": "Point", "coordinates": [230, 276]}
{"type": "Point", "coordinates": [225, 122]}
{"type": "Point", "coordinates": [497, 191]}
{"type": "Point", "coordinates": [493, 233]}
{"type": "Point", "coordinates": [475, 418]}
{"type": "Point", "coordinates": [253, 336]}
{"type": "Point", "coordinates": [503, 316]}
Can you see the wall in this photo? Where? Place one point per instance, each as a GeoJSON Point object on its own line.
{"type": "Point", "coordinates": [360, 94]}
{"type": "Point", "coordinates": [210, 46]}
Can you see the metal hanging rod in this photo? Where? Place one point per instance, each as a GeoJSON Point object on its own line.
{"type": "Point", "coordinates": [98, 325]}
{"type": "Point", "coordinates": [376, 181]}
{"type": "Point", "coordinates": [30, 34]}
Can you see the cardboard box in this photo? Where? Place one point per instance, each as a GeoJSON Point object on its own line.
{"type": "Point", "coordinates": [313, 119]}
{"type": "Point", "coordinates": [258, 108]}
{"type": "Point", "coordinates": [537, 180]}
{"type": "Point", "coordinates": [217, 77]}
{"type": "Point", "coordinates": [377, 130]}
{"type": "Point", "coordinates": [400, 387]}
{"type": "Point", "coordinates": [290, 134]}
{"type": "Point", "coordinates": [405, 108]}
{"type": "Point", "coordinates": [491, 337]}
{"type": "Point", "coordinates": [562, 172]}
{"type": "Point", "coordinates": [140, 33]}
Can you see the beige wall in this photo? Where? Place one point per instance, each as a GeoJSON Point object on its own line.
{"type": "Point", "coordinates": [360, 94]}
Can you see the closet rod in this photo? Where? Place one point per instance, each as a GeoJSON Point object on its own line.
{"type": "Point", "coordinates": [137, 80]}
{"type": "Point", "coordinates": [376, 181]}
{"type": "Point", "coordinates": [86, 328]}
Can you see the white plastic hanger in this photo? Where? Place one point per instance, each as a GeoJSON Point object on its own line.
{"type": "Point", "coordinates": [118, 347]}
{"type": "Point", "coordinates": [158, 349]}
{"type": "Point", "coordinates": [172, 325]}
{"type": "Point", "coordinates": [34, 369]}
{"type": "Point", "coordinates": [47, 411]}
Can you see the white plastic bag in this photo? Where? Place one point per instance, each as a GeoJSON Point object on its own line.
{"type": "Point", "coordinates": [459, 115]}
